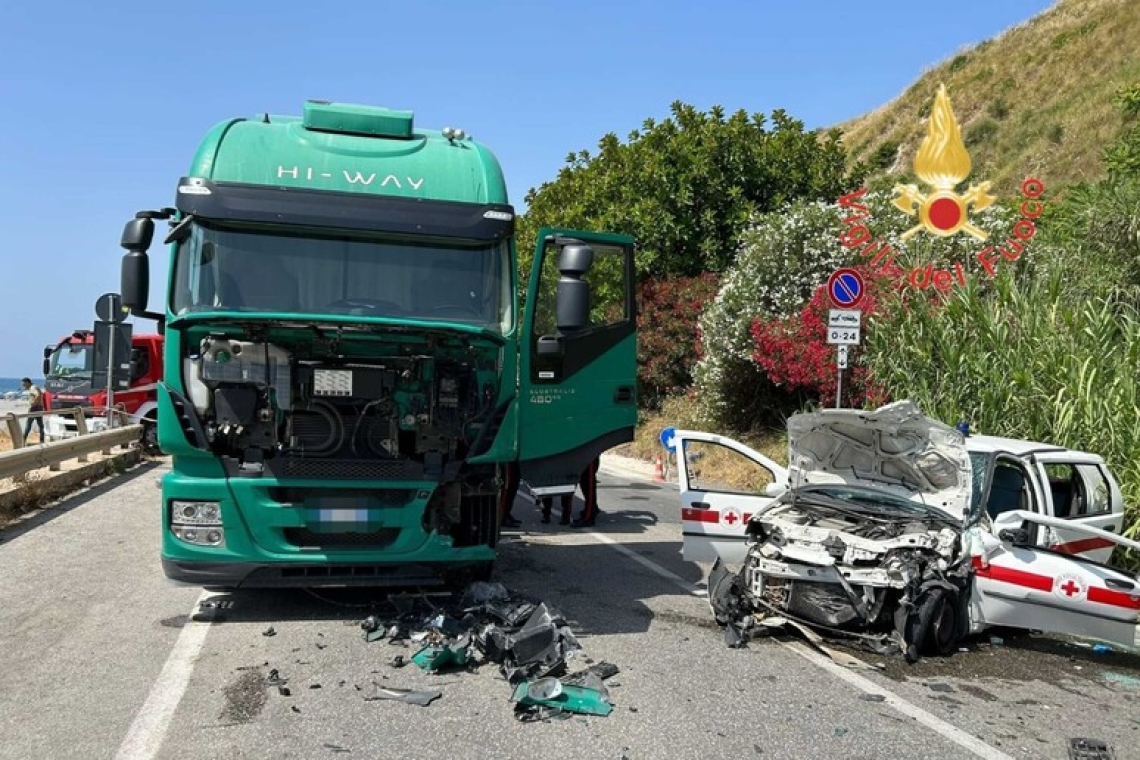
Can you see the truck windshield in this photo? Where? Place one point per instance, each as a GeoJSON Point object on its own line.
{"type": "Point", "coordinates": [72, 361]}
{"type": "Point", "coordinates": [271, 270]}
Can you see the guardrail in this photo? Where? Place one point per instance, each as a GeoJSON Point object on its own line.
{"type": "Point", "coordinates": [23, 458]}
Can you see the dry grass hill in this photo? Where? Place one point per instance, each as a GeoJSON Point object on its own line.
{"type": "Point", "coordinates": [1036, 99]}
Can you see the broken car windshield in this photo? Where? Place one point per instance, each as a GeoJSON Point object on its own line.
{"type": "Point", "coordinates": [869, 501]}
{"type": "Point", "coordinates": [278, 270]}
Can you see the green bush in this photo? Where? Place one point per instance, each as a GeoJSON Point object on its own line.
{"type": "Point", "coordinates": [998, 108]}
{"type": "Point", "coordinates": [783, 258]}
{"type": "Point", "coordinates": [980, 132]}
{"type": "Point", "coordinates": [884, 156]}
{"type": "Point", "coordinates": [1022, 360]}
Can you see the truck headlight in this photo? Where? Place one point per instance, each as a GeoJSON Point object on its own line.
{"type": "Point", "coordinates": [197, 522]}
{"type": "Point", "coordinates": [196, 512]}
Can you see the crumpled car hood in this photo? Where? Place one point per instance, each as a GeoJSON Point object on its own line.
{"type": "Point", "coordinates": [895, 447]}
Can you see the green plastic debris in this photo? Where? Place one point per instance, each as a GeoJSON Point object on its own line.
{"type": "Point", "coordinates": [433, 658]}
{"type": "Point", "coordinates": [576, 699]}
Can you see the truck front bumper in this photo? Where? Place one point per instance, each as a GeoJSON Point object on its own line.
{"type": "Point", "coordinates": [231, 575]}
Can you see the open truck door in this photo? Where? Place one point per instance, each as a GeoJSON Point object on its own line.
{"type": "Point", "coordinates": [1021, 585]}
{"type": "Point", "coordinates": [578, 364]}
{"type": "Point", "coordinates": [714, 515]}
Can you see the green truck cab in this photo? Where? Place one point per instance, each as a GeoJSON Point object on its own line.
{"type": "Point", "coordinates": [348, 372]}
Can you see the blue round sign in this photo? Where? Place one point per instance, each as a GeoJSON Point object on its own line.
{"type": "Point", "coordinates": [669, 439]}
{"type": "Point", "coordinates": [846, 288]}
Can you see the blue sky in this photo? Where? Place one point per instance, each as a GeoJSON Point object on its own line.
{"type": "Point", "coordinates": [102, 104]}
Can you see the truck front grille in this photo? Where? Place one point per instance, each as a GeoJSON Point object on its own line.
{"type": "Point", "coordinates": [303, 538]}
{"type": "Point", "coordinates": [346, 469]}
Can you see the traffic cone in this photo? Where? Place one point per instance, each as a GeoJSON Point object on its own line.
{"type": "Point", "coordinates": [659, 471]}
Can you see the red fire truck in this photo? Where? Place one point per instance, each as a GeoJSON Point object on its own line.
{"type": "Point", "coordinates": [68, 367]}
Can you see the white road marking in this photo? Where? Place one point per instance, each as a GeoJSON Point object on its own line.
{"type": "Point", "coordinates": [145, 736]}
{"type": "Point", "coordinates": [963, 739]}
{"type": "Point", "coordinates": [934, 723]}
{"type": "Point", "coordinates": [651, 565]}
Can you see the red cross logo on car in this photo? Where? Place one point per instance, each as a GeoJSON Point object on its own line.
{"type": "Point", "coordinates": [731, 516]}
{"type": "Point", "coordinates": [1068, 587]}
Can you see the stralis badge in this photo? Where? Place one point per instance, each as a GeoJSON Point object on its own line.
{"type": "Point", "coordinates": [942, 162]}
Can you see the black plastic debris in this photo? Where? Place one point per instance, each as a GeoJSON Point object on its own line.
{"type": "Point", "coordinates": [335, 747]}
{"type": "Point", "coordinates": [407, 696]}
{"type": "Point", "coordinates": [540, 648]}
{"type": "Point", "coordinates": [211, 611]}
{"type": "Point", "coordinates": [873, 697]}
{"type": "Point", "coordinates": [601, 670]}
{"type": "Point", "coordinates": [526, 638]}
{"type": "Point", "coordinates": [1090, 749]}
{"type": "Point", "coordinates": [269, 632]}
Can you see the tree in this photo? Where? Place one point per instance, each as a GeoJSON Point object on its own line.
{"type": "Point", "coordinates": [686, 187]}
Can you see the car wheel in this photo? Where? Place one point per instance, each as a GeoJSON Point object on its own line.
{"type": "Point", "coordinates": [938, 622]}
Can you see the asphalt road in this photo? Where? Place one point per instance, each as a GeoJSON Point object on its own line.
{"type": "Point", "coordinates": [100, 657]}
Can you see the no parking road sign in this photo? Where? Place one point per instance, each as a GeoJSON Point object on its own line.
{"type": "Point", "coordinates": [846, 289]}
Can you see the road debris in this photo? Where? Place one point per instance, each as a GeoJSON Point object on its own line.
{"type": "Point", "coordinates": [1090, 749]}
{"type": "Point", "coordinates": [408, 696]}
{"type": "Point", "coordinates": [529, 640]}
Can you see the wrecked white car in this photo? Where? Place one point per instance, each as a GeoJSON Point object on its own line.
{"type": "Point", "coordinates": [888, 527]}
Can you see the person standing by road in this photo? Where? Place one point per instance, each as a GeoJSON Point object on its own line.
{"type": "Point", "coordinates": [588, 482]}
{"type": "Point", "coordinates": [567, 508]}
{"type": "Point", "coordinates": [36, 396]}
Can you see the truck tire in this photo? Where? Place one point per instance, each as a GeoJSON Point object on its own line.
{"type": "Point", "coordinates": [150, 437]}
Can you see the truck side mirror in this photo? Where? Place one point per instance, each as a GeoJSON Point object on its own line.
{"type": "Point", "coordinates": [135, 274]}
{"type": "Point", "coordinates": [47, 366]}
{"type": "Point", "coordinates": [573, 304]}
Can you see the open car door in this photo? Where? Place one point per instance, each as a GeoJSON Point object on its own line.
{"type": "Point", "coordinates": [714, 514]}
{"type": "Point", "coordinates": [578, 364]}
{"type": "Point", "coordinates": [1082, 491]}
{"type": "Point", "coordinates": [1025, 586]}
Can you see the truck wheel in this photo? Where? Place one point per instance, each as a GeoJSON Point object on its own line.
{"type": "Point", "coordinates": [150, 437]}
{"type": "Point", "coordinates": [938, 622]}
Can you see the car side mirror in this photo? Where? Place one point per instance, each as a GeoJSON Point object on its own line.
{"type": "Point", "coordinates": [1014, 536]}
{"type": "Point", "coordinates": [773, 490]}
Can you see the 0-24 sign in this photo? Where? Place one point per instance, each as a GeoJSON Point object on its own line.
{"type": "Point", "coordinates": [843, 336]}
{"type": "Point", "coordinates": [843, 326]}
